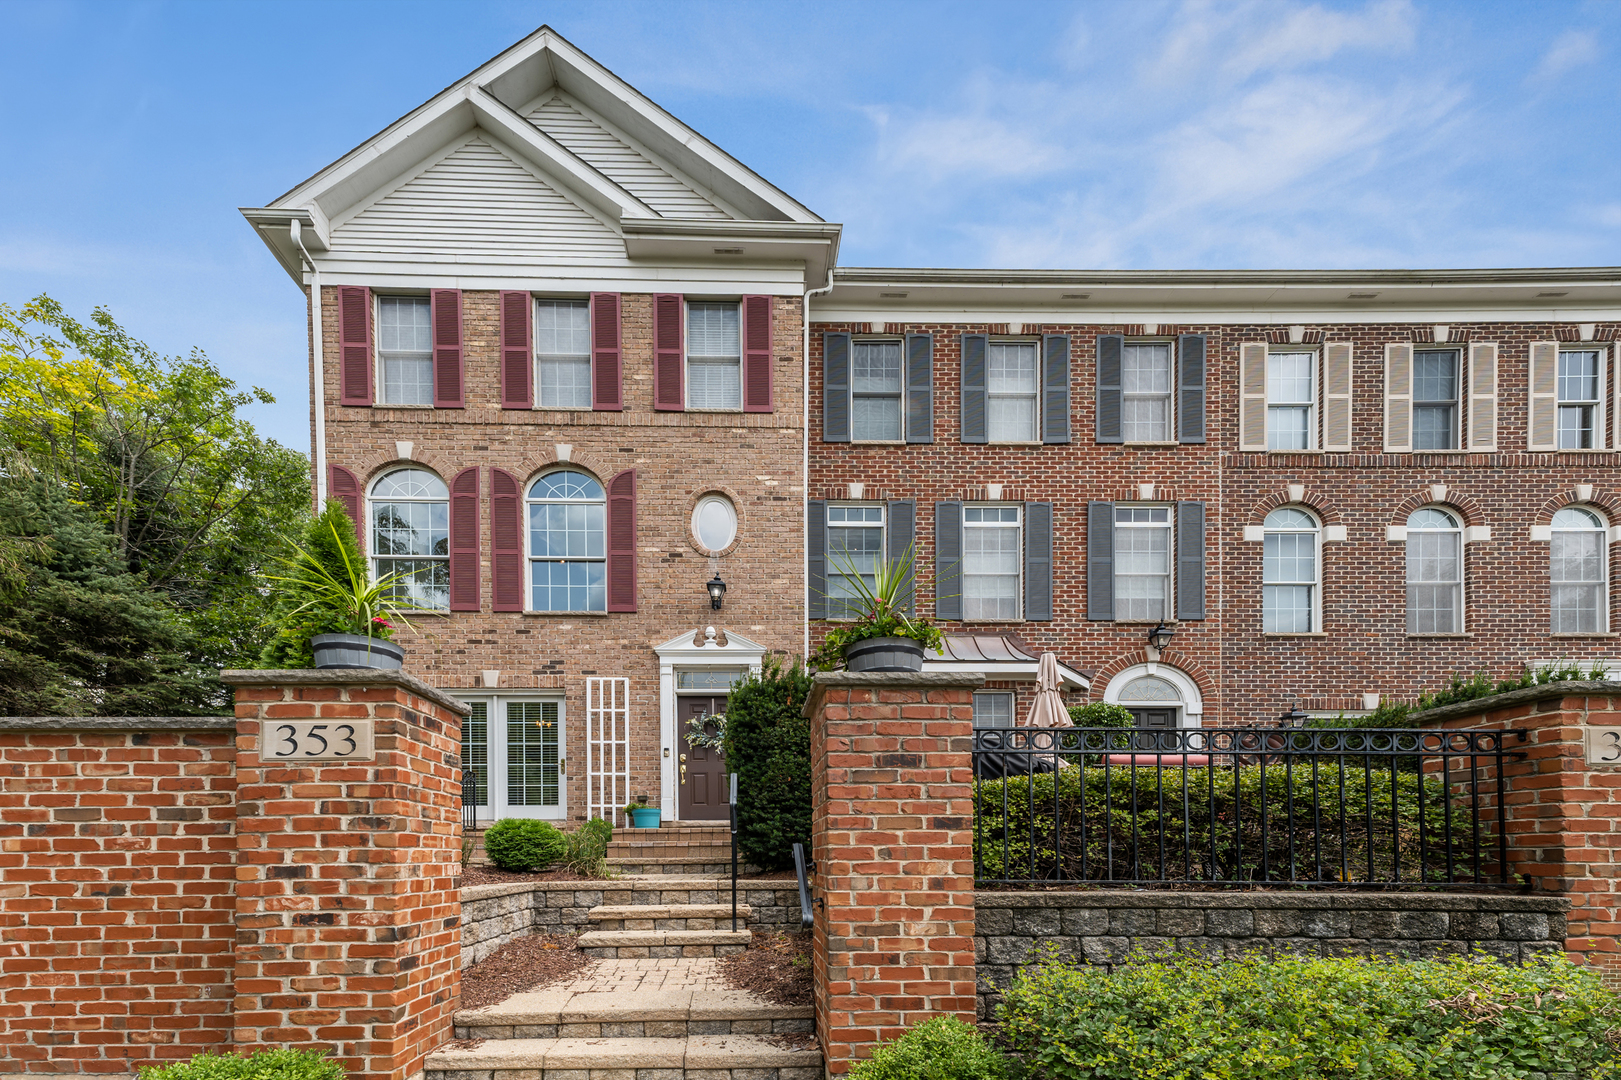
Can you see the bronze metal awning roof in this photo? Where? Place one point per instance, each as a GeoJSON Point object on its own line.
{"type": "Point", "coordinates": [999, 656]}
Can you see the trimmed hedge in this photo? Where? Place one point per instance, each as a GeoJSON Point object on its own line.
{"type": "Point", "coordinates": [768, 746]}
{"type": "Point", "coordinates": [524, 844]}
{"type": "Point", "coordinates": [264, 1065]}
{"type": "Point", "coordinates": [943, 1048]}
{"type": "Point", "coordinates": [1186, 1018]}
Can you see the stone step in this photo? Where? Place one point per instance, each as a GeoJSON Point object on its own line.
{"type": "Point", "coordinates": [709, 1057]}
{"type": "Point", "coordinates": [666, 916]}
{"type": "Point", "coordinates": [661, 1013]}
{"type": "Point", "coordinates": [662, 944]}
{"type": "Point", "coordinates": [663, 852]}
{"type": "Point", "coordinates": [676, 866]}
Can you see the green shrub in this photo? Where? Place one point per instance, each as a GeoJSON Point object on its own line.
{"type": "Point", "coordinates": [1107, 823]}
{"type": "Point", "coordinates": [1255, 1018]}
{"type": "Point", "coordinates": [524, 844]}
{"type": "Point", "coordinates": [1101, 714]}
{"type": "Point", "coordinates": [1397, 714]}
{"type": "Point", "coordinates": [586, 848]}
{"type": "Point", "coordinates": [264, 1065]}
{"type": "Point", "coordinates": [768, 746]}
{"type": "Point", "coordinates": [943, 1048]}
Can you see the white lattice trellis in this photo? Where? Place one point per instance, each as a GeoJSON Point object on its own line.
{"type": "Point", "coordinates": [607, 746]}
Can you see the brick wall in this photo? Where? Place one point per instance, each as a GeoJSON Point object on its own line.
{"type": "Point", "coordinates": [891, 836]}
{"type": "Point", "coordinates": [755, 458]}
{"type": "Point", "coordinates": [116, 871]}
{"type": "Point", "coordinates": [1246, 676]}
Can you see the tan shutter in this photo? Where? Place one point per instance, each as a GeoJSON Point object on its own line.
{"type": "Point", "coordinates": [1252, 395]}
{"type": "Point", "coordinates": [1542, 431]}
{"type": "Point", "coordinates": [1483, 395]}
{"type": "Point", "coordinates": [1337, 396]}
{"type": "Point", "coordinates": [1398, 397]}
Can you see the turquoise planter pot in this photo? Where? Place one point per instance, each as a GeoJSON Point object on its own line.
{"type": "Point", "coordinates": [645, 818]}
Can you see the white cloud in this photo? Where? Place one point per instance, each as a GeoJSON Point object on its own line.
{"type": "Point", "coordinates": [1569, 50]}
{"type": "Point", "coordinates": [1242, 40]}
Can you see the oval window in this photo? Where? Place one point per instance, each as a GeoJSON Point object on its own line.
{"type": "Point", "coordinates": [714, 522]}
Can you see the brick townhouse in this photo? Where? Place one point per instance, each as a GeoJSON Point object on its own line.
{"type": "Point", "coordinates": [602, 394]}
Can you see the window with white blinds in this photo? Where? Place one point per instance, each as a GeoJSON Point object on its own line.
{"type": "Point", "coordinates": [714, 356]}
{"type": "Point", "coordinates": [405, 349]}
{"type": "Point", "coordinates": [563, 353]}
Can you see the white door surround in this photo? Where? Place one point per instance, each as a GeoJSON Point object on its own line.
{"type": "Point", "coordinates": [693, 650]}
{"type": "Point", "coordinates": [1189, 702]}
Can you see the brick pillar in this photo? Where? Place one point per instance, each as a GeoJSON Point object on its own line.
{"type": "Point", "coordinates": [347, 907]}
{"type": "Point", "coordinates": [1562, 813]}
{"type": "Point", "coordinates": [892, 836]}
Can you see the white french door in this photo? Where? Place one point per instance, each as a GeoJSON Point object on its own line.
{"type": "Point", "coordinates": [518, 750]}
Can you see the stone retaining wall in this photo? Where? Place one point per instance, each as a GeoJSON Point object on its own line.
{"type": "Point", "coordinates": [1104, 927]}
{"type": "Point", "coordinates": [493, 915]}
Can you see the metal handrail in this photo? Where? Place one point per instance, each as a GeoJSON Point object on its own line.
{"type": "Point", "coordinates": [807, 917]}
{"type": "Point", "coordinates": [733, 808]}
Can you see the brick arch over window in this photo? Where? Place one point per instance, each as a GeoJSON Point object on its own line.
{"type": "Point", "coordinates": [1597, 497]}
{"type": "Point", "coordinates": [1170, 658]}
{"type": "Point", "coordinates": [544, 460]}
{"type": "Point", "coordinates": [380, 464]}
{"type": "Point", "coordinates": [1466, 507]}
{"type": "Point", "coordinates": [1314, 501]}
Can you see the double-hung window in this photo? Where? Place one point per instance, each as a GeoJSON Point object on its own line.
{"type": "Point", "coordinates": [1434, 573]}
{"type": "Point", "coordinates": [855, 548]}
{"type": "Point", "coordinates": [1579, 557]}
{"type": "Point", "coordinates": [405, 349]}
{"type": "Point", "coordinates": [875, 391]}
{"type": "Point", "coordinates": [1579, 388]}
{"type": "Point", "coordinates": [993, 709]}
{"type": "Point", "coordinates": [1142, 563]}
{"type": "Point", "coordinates": [714, 356]}
{"type": "Point", "coordinates": [1145, 384]}
{"type": "Point", "coordinates": [567, 545]}
{"type": "Point", "coordinates": [410, 537]}
{"type": "Point", "coordinates": [1012, 382]}
{"type": "Point", "coordinates": [563, 354]}
{"type": "Point", "coordinates": [992, 550]}
{"type": "Point", "coordinates": [1435, 399]}
{"type": "Point", "coordinates": [1290, 400]}
{"type": "Point", "coordinates": [1289, 573]}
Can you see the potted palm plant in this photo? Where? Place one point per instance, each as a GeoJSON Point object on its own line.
{"type": "Point", "coordinates": [881, 636]}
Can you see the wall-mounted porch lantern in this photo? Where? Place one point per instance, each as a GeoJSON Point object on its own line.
{"type": "Point", "coordinates": [717, 589]}
{"type": "Point", "coordinates": [1160, 637]}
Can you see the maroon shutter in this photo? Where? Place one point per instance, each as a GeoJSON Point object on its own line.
{"type": "Point", "coordinates": [506, 541]}
{"type": "Point", "coordinates": [757, 354]}
{"type": "Point", "coordinates": [669, 378]}
{"type": "Point", "coordinates": [622, 542]}
{"type": "Point", "coordinates": [517, 363]}
{"type": "Point", "coordinates": [354, 345]}
{"type": "Point", "coordinates": [606, 381]}
{"type": "Point", "coordinates": [464, 541]}
{"type": "Point", "coordinates": [342, 485]}
{"type": "Point", "coordinates": [447, 348]}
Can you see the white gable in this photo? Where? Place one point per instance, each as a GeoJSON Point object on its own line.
{"type": "Point", "coordinates": [621, 162]}
{"type": "Point", "coordinates": [478, 200]}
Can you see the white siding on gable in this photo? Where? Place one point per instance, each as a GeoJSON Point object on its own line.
{"type": "Point", "coordinates": [475, 200]}
{"type": "Point", "coordinates": [620, 162]}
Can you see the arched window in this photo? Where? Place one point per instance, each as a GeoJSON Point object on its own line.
{"type": "Point", "coordinates": [567, 549]}
{"type": "Point", "coordinates": [1579, 563]}
{"type": "Point", "coordinates": [1289, 573]}
{"type": "Point", "coordinates": [1434, 572]}
{"type": "Point", "coordinates": [410, 536]}
{"type": "Point", "coordinates": [1154, 701]}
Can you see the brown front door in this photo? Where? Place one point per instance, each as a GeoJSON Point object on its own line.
{"type": "Point", "coordinates": [702, 771]}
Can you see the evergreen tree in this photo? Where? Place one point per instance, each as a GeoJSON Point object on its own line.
{"type": "Point", "coordinates": [330, 538]}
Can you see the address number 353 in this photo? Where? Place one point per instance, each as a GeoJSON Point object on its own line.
{"type": "Point", "coordinates": [315, 740]}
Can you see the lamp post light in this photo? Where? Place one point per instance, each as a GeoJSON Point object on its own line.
{"type": "Point", "coordinates": [1294, 718]}
{"type": "Point", "coordinates": [717, 589]}
{"type": "Point", "coordinates": [1160, 637]}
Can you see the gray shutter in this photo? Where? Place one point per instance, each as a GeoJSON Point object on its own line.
{"type": "Point", "coordinates": [1190, 380]}
{"type": "Point", "coordinates": [1100, 561]}
{"type": "Point", "coordinates": [1190, 560]}
{"type": "Point", "coordinates": [1109, 394]}
{"type": "Point", "coordinates": [919, 388]}
{"type": "Point", "coordinates": [816, 558]}
{"type": "Point", "coordinates": [1055, 389]}
{"type": "Point", "coordinates": [835, 388]}
{"type": "Point", "coordinates": [899, 529]}
{"type": "Point", "coordinates": [1038, 561]}
{"type": "Point", "coordinates": [973, 387]}
{"type": "Point", "coordinates": [948, 560]}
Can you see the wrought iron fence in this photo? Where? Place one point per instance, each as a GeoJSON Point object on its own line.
{"type": "Point", "coordinates": [1241, 806]}
{"type": "Point", "coordinates": [471, 799]}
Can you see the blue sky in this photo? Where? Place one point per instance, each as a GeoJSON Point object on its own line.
{"type": "Point", "coordinates": [1107, 135]}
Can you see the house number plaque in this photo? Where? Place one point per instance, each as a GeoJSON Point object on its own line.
{"type": "Point", "coordinates": [1603, 745]}
{"type": "Point", "coordinates": [316, 740]}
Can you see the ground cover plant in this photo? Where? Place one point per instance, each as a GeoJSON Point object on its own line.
{"type": "Point", "coordinates": [1289, 1018]}
{"type": "Point", "coordinates": [768, 745]}
{"type": "Point", "coordinates": [264, 1065]}
{"type": "Point", "coordinates": [524, 844]}
{"type": "Point", "coordinates": [585, 850]}
{"type": "Point", "coordinates": [943, 1048]}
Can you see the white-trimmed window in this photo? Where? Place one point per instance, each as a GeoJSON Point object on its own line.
{"type": "Point", "coordinates": [1434, 572]}
{"type": "Point", "coordinates": [563, 354]}
{"type": "Point", "coordinates": [1291, 399]}
{"type": "Point", "coordinates": [1579, 571]}
{"type": "Point", "coordinates": [1146, 377]}
{"type": "Point", "coordinates": [1290, 570]}
{"type": "Point", "coordinates": [992, 553]}
{"type": "Point", "coordinates": [1436, 382]}
{"type": "Point", "coordinates": [567, 545]}
{"type": "Point", "coordinates": [410, 535]}
{"type": "Point", "coordinates": [1142, 563]}
{"type": "Point", "coordinates": [993, 709]}
{"type": "Point", "coordinates": [1012, 391]}
{"type": "Point", "coordinates": [875, 391]}
{"type": "Point", "coordinates": [1581, 392]}
{"type": "Point", "coordinates": [855, 547]}
{"type": "Point", "coordinates": [405, 350]}
{"type": "Point", "coordinates": [714, 356]}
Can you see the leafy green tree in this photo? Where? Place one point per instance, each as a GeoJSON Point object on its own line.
{"type": "Point", "coordinates": [768, 746]}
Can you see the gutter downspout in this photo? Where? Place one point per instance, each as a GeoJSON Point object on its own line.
{"type": "Point", "coordinates": [804, 516]}
{"type": "Point", "coordinates": [318, 390]}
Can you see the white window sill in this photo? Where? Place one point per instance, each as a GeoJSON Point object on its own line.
{"type": "Point", "coordinates": [694, 408]}
{"type": "Point", "coordinates": [1009, 442]}
{"type": "Point", "coordinates": [989, 622]}
{"type": "Point", "coordinates": [562, 408]}
{"type": "Point", "coordinates": [571, 614]}
{"type": "Point", "coordinates": [1305, 634]}
{"type": "Point", "coordinates": [875, 442]}
{"type": "Point", "coordinates": [1578, 637]}
{"type": "Point", "coordinates": [1147, 443]}
{"type": "Point", "coordinates": [1303, 450]}
{"type": "Point", "coordinates": [1441, 637]}
{"type": "Point", "coordinates": [1145, 622]}
{"type": "Point", "coordinates": [394, 405]}
{"type": "Point", "coordinates": [1577, 450]}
